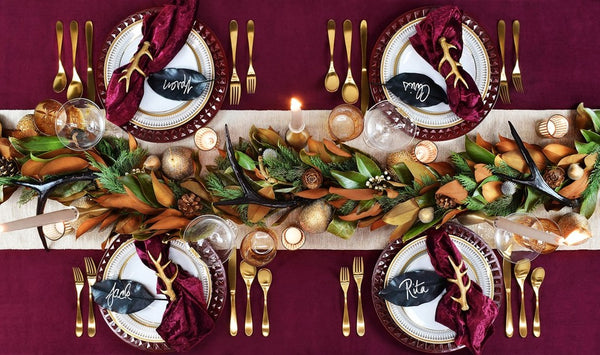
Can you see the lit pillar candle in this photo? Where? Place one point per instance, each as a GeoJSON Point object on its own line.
{"type": "Point", "coordinates": [296, 124]}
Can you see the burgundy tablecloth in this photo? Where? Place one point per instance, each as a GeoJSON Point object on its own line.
{"type": "Point", "coordinates": [559, 50]}
{"type": "Point", "coordinates": [37, 309]}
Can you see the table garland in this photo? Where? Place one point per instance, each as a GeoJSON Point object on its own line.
{"type": "Point", "coordinates": [262, 176]}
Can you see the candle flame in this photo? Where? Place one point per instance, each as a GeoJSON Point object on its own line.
{"type": "Point", "coordinates": [295, 104]}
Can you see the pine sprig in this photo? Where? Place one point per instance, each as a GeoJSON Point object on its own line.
{"type": "Point", "coordinates": [462, 167]}
{"type": "Point", "coordinates": [289, 155]}
{"type": "Point", "coordinates": [503, 168]}
{"type": "Point", "coordinates": [26, 196]}
{"type": "Point", "coordinates": [216, 187]}
{"type": "Point", "coordinates": [503, 205]}
{"type": "Point", "coordinates": [124, 163]}
{"type": "Point", "coordinates": [474, 204]}
{"type": "Point", "coordinates": [467, 182]}
{"type": "Point", "coordinates": [321, 165]}
{"type": "Point", "coordinates": [347, 207]}
{"type": "Point", "coordinates": [593, 180]}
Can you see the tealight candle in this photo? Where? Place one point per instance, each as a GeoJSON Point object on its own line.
{"type": "Point", "coordinates": [297, 123]}
{"type": "Point", "coordinates": [292, 238]}
{"type": "Point", "coordinates": [206, 138]}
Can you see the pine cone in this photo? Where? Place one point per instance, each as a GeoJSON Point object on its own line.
{"type": "Point", "coordinates": [444, 201]}
{"type": "Point", "coordinates": [554, 176]}
{"type": "Point", "coordinates": [8, 167]}
{"type": "Point", "coordinates": [190, 205]}
{"type": "Point", "coordinates": [312, 179]}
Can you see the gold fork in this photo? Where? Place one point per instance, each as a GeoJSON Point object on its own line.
{"type": "Point", "coordinates": [251, 76]}
{"type": "Point", "coordinates": [235, 86]}
{"type": "Point", "coordinates": [344, 283]}
{"type": "Point", "coordinates": [90, 270]}
{"type": "Point", "coordinates": [358, 270]}
{"type": "Point", "coordinates": [78, 288]}
{"type": "Point", "coordinates": [516, 75]}
{"type": "Point", "coordinates": [503, 81]}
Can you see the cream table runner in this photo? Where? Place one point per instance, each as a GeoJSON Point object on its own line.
{"type": "Point", "coordinates": [239, 123]}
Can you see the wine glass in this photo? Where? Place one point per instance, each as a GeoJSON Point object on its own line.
{"type": "Point", "coordinates": [259, 247]}
{"type": "Point", "coordinates": [514, 247]}
{"type": "Point", "coordinates": [79, 124]}
{"type": "Point", "coordinates": [214, 231]}
{"type": "Point", "coordinates": [387, 128]}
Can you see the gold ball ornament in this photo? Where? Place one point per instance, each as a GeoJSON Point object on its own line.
{"type": "Point", "coordinates": [315, 217]}
{"type": "Point", "coordinates": [178, 163]}
{"type": "Point", "coordinates": [152, 163]}
{"type": "Point", "coordinates": [397, 158]}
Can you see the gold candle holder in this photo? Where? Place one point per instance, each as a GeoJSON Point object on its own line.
{"type": "Point", "coordinates": [292, 238]}
{"type": "Point", "coordinates": [425, 152]}
{"type": "Point", "coordinates": [554, 127]}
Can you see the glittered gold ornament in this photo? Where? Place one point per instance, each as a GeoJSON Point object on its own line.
{"type": "Point", "coordinates": [397, 158]}
{"type": "Point", "coordinates": [178, 163]}
{"type": "Point", "coordinates": [315, 217]}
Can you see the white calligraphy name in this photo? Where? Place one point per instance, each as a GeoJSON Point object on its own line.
{"type": "Point", "coordinates": [184, 85]}
{"type": "Point", "coordinates": [412, 291]}
{"type": "Point", "coordinates": [421, 90]}
{"type": "Point", "coordinates": [115, 293]}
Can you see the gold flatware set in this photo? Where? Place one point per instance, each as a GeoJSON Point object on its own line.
{"type": "Point", "coordinates": [90, 269]}
{"type": "Point", "coordinates": [516, 73]}
{"type": "Point", "coordinates": [75, 87]}
{"type": "Point", "coordinates": [350, 90]}
{"type": "Point", "coordinates": [265, 278]}
{"type": "Point", "coordinates": [358, 273]}
{"type": "Point", "coordinates": [521, 271]}
{"type": "Point", "coordinates": [235, 83]}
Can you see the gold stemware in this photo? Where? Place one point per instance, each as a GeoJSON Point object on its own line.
{"type": "Point", "coordinates": [75, 88]}
{"type": "Point", "coordinates": [332, 81]}
{"type": "Point", "coordinates": [60, 80]}
{"type": "Point", "coordinates": [521, 271]}
{"type": "Point", "coordinates": [248, 272]}
{"type": "Point", "coordinates": [537, 277]}
{"type": "Point", "coordinates": [264, 279]}
{"type": "Point", "coordinates": [349, 89]}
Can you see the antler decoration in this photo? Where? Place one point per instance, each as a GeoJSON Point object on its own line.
{"type": "Point", "coordinates": [453, 64]}
{"type": "Point", "coordinates": [135, 64]}
{"type": "Point", "coordinates": [462, 300]}
{"type": "Point", "coordinates": [160, 272]}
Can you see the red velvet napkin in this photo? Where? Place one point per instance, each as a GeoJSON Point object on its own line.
{"type": "Point", "coordinates": [185, 321]}
{"type": "Point", "coordinates": [167, 31]}
{"type": "Point", "coordinates": [474, 326]}
{"type": "Point", "coordinates": [446, 22]}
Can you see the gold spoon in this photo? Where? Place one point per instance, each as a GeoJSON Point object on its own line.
{"type": "Point", "coordinates": [75, 88]}
{"type": "Point", "coordinates": [349, 89]}
{"type": "Point", "coordinates": [248, 272]}
{"type": "Point", "coordinates": [332, 81]}
{"type": "Point", "coordinates": [60, 80]}
{"type": "Point", "coordinates": [521, 271]}
{"type": "Point", "coordinates": [471, 218]}
{"type": "Point", "coordinates": [264, 279]}
{"type": "Point", "coordinates": [537, 277]}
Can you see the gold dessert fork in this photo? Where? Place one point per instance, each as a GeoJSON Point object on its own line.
{"type": "Point", "coordinates": [251, 76]}
{"type": "Point", "coordinates": [516, 75]}
{"type": "Point", "coordinates": [503, 80]}
{"type": "Point", "coordinates": [344, 283]}
{"type": "Point", "coordinates": [358, 270]}
{"type": "Point", "coordinates": [235, 86]}
{"type": "Point", "coordinates": [90, 270]}
{"type": "Point", "coordinates": [78, 288]}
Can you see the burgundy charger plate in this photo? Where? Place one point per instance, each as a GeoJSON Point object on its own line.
{"type": "Point", "coordinates": [381, 269]}
{"type": "Point", "coordinates": [491, 94]}
{"type": "Point", "coordinates": [206, 113]}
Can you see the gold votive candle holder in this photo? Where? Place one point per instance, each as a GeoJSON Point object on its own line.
{"type": "Point", "coordinates": [292, 238]}
{"type": "Point", "coordinates": [557, 126]}
{"type": "Point", "coordinates": [206, 138]}
{"type": "Point", "coordinates": [424, 152]}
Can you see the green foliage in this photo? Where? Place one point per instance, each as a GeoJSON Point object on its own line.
{"type": "Point", "coordinates": [503, 168]}
{"type": "Point", "coordinates": [27, 195]}
{"type": "Point", "coordinates": [347, 207]}
{"type": "Point", "coordinates": [461, 165]}
{"type": "Point", "coordinates": [503, 205]}
{"type": "Point", "coordinates": [124, 163]}
{"type": "Point", "coordinates": [316, 161]}
{"type": "Point", "coordinates": [474, 204]}
{"type": "Point", "coordinates": [467, 182]}
{"type": "Point", "coordinates": [216, 187]}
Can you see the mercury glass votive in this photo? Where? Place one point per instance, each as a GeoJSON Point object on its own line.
{"type": "Point", "coordinates": [425, 152]}
{"type": "Point", "coordinates": [206, 138]}
{"type": "Point", "coordinates": [345, 123]}
{"type": "Point", "coordinates": [554, 127]}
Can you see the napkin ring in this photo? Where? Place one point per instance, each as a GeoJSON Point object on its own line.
{"type": "Point", "coordinates": [462, 300]}
{"type": "Point", "coordinates": [160, 272]}
{"type": "Point", "coordinates": [134, 65]}
{"type": "Point", "coordinates": [453, 64]}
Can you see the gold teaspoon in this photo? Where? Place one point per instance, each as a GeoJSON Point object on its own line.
{"type": "Point", "coordinates": [60, 80]}
{"type": "Point", "coordinates": [248, 272]}
{"type": "Point", "coordinates": [521, 271]}
{"type": "Point", "coordinates": [75, 88]}
{"type": "Point", "coordinates": [349, 89]}
{"type": "Point", "coordinates": [332, 81]}
{"type": "Point", "coordinates": [264, 279]}
{"type": "Point", "coordinates": [537, 277]}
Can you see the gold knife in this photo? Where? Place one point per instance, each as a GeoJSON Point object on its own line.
{"type": "Point", "coordinates": [507, 272]}
{"type": "Point", "coordinates": [89, 38]}
{"type": "Point", "coordinates": [364, 80]}
{"type": "Point", "coordinates": [231, 279]}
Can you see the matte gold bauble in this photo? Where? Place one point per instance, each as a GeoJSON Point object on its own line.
{"type": "Point", "coordinates": [178, 163]}
{"type": "Point", "coordinates": [315, 218]}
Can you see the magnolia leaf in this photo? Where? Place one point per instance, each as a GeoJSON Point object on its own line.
{"type": "Point", "coordinates": [245, 161]}
{"type": "Point", "coordinates": [584, 111]}
{"type": "Point", "coordinates": [420, 227]}
{"type": "Point", "coordinates": [178, 84]}
{"type": "Point", "coordinates": [403, 173]}
{"type": "Point", "coordinates": [590, 136]}
{"type": "Point", "coordinates": [478, 154]}
{"type": "Point", "coordinates": [122, 296]}
{"type": "Point", "coordinates": [349, 179]}
{"type": "Point", "coordinates": [367, 166]}
{"type": "Point", "coordinates": [413, 288]}
{"type": "Point", "coordinates": [133, 185]}
{"type": "Point", "coordinates": [416, 89]}
{"type": "Point", "coordinates": [342, 229]}
{"type": "Point", "coordinates": [588, 205]}
{"type": "Point", "coordinates": [36, 144]}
